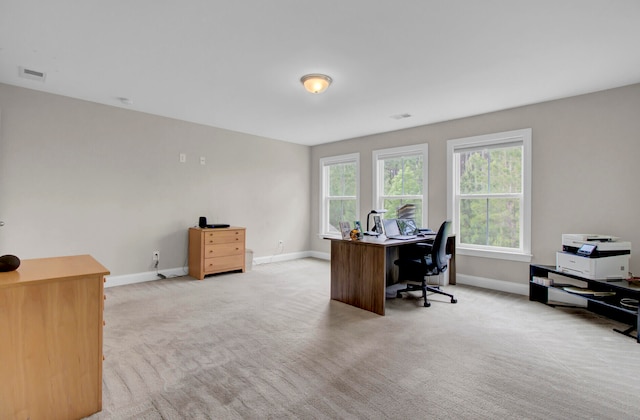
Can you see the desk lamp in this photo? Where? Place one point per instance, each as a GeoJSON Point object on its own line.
{"type": "Point", "coordinates": [369, 232]}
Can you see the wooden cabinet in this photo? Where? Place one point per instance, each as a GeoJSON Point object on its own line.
{"type": "Point", "coordinates": [51, 319]}
{"type": "Point", "coordinates": [216, 251]}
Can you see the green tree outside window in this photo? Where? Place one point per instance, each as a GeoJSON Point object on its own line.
{"type": "Point", "coordinates": [490, 196]}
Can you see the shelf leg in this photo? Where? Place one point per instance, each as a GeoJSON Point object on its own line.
{"type": "Point", "coordinates": [627, 332]}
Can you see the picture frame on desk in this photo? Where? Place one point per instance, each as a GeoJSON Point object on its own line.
{"type": "Point", "coordinates": [377, 223]}
{"type": "Point", "coordinates": [345, 230]}
{"type": "Point", "coordinates": [358, 226]}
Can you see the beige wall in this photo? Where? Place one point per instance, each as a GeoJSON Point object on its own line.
{"type": "Point", "coordinates": [585, 172]}
{"type": "Point", "coordinates": [78, 177]}
{"type": "Point", "coordinates": [82, 178]}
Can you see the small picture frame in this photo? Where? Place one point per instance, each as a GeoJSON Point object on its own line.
{"type": "Point", "coordinates": [345, 229]}
{"type": "Point", "coordinates": [357, 226]}
{"type": "Point", "coordinates": [377, 224]}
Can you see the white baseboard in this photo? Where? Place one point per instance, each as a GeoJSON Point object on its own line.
{"type": "Point", "coordinates": [517, 288]}
{"type": "Point", "coordinates": [503, 286]}
{"type": "Point", "coordinates": [291, 256]}
{"type": "Point", "coordinates": [280, 257]}
{"type": "Point", "coordinates": [124, 279]}
{"type": "Point", "coordinates": [320, 255]}
{"type": "Point", "coordinates": [486, 283]}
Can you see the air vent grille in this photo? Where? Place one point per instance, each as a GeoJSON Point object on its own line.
{"type": "Point", "coordinates": [31, 74]}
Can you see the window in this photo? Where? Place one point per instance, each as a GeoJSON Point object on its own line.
{"type": "Point", "coordinates": [340, 192]}
{"type": "Point", "coordinates": [399, 178]}
{"type": "Point", "coordinates": [489, 194]}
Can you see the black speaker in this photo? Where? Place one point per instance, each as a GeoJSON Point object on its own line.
{"type": "Point", "coordinates": [9, 263]}
{"type": "Point", "coordinates": [202, 222]}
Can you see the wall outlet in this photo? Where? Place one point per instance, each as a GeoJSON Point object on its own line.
{"type": "Point", "coordinates": [156, 255]}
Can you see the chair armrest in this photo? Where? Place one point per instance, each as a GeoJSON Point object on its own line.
{"type": "Point", "coordinates": [425, 245]}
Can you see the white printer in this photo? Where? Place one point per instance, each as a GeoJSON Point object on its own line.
{"type": "Point", "coordinates": [594, 256]}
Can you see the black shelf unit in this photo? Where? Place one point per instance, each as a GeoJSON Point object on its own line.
{"type": "Point", "coordinates": [608, 306]}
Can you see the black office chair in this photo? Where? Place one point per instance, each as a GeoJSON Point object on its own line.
{"type": "Point", "coordinates": [426, 260]}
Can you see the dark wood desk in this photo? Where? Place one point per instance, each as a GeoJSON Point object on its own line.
{"type": "Point", "coordinates": [361, 270]}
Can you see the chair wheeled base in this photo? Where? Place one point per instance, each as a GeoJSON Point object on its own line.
{"type": "Point", "coordinates": [434, 289]}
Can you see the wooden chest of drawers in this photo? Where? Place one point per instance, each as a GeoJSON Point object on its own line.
{"type": "Point", "coordinates": [216, 251]}
{"type": "Point", "coordinates": [51, 320]}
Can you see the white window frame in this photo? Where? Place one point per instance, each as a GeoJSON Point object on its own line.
{"type": "Point", "coordinates": [378, 175]}
{"type": "Point", "coordinates": [324, 188]}
{"type": "Point", "coordinates": [523, 137]}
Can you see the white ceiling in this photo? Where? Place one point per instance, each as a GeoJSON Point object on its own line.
{"type": "Point", "coordinates": [237, 64]}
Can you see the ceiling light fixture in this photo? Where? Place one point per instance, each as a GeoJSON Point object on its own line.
{"type": "Point", "coordinates": [316, 83]}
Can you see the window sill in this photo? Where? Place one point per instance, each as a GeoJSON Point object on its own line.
{"type": "Point", "coordinates": [500, 255]}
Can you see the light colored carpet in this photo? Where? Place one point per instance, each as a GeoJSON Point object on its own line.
{"type": "Point", "coordinates": [270, 344]}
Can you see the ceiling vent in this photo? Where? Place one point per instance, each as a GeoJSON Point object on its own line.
{"type": "Point", "coordinates": [31, 74]}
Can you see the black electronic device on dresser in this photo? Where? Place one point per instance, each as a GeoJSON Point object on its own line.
{"type": "Point", "coordinates": [202, 222]}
